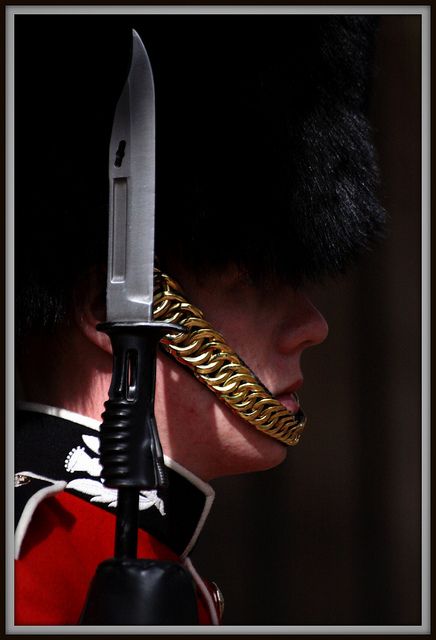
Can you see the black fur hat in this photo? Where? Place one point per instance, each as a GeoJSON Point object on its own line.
{"type": "Point", "coordinates": [264, 151]}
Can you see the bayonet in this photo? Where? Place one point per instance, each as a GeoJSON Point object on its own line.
{"type": "Point", "coordinates": [124, 588]}
{"type": "Point", "coordinates": [130, 450]}
{"type": "Point", "coordinates": [132, 195]}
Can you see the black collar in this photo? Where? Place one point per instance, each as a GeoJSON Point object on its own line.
{"type": "Point", "coordinates": [59, 449]}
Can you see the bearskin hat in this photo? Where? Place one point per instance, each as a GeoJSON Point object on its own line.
{"type": "Point", "coordinates": [264, 150]}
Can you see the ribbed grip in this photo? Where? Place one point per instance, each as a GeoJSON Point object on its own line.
{"type": "Point", "coordinates": [130, 450]}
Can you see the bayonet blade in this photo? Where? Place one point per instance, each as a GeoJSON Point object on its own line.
{"type": "Point", "coordinates": [132, 195]}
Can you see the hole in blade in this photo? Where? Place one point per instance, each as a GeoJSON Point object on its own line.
{"type": "Point", "coordinates": [120, 153]}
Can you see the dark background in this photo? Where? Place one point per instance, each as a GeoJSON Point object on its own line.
{"type": "Point", "coordinates": [333, 536]}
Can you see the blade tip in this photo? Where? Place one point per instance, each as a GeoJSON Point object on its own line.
{"type": "Point", "coordinates": [138, 43]}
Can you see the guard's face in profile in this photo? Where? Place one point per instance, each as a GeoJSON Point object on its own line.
{"type": "Point", "coordinates": [269, 326]}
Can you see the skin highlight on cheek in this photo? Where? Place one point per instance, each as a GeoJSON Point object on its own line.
{"type": "Point", "coordinates": [201, 433]}
{"type": "Point", "coordinates": [198, 427]}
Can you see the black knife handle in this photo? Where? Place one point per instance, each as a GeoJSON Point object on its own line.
{"type": "Point", "coordinates": [130, 450]}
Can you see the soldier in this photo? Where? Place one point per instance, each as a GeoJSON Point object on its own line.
{"type": "Point", "coordinates": [266, 180]}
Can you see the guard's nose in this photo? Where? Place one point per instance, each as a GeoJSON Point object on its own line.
{"type": "Point", "coordinates": [304, 327]}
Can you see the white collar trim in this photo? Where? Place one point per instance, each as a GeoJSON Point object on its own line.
{"type": "Point", "coordinates": [209, 495]}
{"type": "Point", "coordinates": [29, 509]}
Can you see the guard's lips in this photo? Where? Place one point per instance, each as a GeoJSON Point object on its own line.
{"type": "Point", "coordinates": [288, 397]}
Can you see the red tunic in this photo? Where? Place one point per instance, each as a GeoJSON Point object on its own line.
{"type": "Point", "coordinates": [67, 538]}
{"type": "Point", "coordinates": [65, 518]}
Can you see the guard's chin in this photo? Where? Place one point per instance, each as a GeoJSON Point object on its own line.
{"type": "Point", "coordinates": [276, 455]}
{"type": "Point", "coordinates": [266, 454]}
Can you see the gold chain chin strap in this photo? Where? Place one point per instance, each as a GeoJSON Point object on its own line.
{"type": "Point", "coordinates": [216, 365]}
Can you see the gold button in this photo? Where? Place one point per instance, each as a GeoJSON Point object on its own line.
{"type": "Point", "coordinates": [218, 599]}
